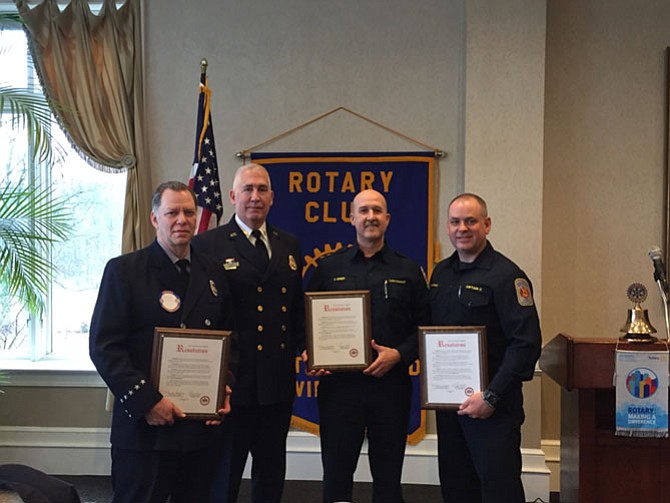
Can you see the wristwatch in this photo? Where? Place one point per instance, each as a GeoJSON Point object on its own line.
{"type": "Point", "coordinates": [490, 398]}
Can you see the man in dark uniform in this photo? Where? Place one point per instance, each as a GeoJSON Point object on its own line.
{"type": "Point", "coordinates": [263, 265]}
{"type": "Point", "coordinates": [377, 400]}
{"type": "Point", "coordinates": [479, 446]}
{"type": "Point", "coordinates": [157, 454]}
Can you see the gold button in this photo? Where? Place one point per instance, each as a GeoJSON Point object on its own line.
{"type": "Point", "coordinates": [284, 309]}
{"type": "Point", "coordinates": [282, 345]}
{"type": "Point", "coordinates": [283, 289]}
{"type": "Point", "coordinates": [260, 309]}
{"type": "Point", "coordinates": [284, 328]}
{"type": "Point", "coordinates": [259, 328]}
{"type": "Point", "coordinates": [259, 347]}
{"type": "Point", "coordinates": [259, 289]}
{"type": "Point", "coordinates": [208, 323]}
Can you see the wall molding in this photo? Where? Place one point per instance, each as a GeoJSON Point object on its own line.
{"type": "Point", "coordinates": [552, 451]}
{"type": "Point", "coordinates": [85, 451]}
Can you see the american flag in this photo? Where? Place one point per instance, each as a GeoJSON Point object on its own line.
{"type": "Point", "coordinates": [204, 181]}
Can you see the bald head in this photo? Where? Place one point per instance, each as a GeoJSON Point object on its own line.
{"type": "Point", "coordinates": [370, 217]}
{"type": "Point", "coordinates": [369, 195]}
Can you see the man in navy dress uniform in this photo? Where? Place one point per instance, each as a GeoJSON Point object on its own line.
{"type": "Point", "coordinates": [263, 265]}
{"type": "Point", "coordinates": [156, 453]}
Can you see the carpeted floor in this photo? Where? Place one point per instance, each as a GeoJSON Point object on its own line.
{"type": "Point", "coordinates": [94, 489]}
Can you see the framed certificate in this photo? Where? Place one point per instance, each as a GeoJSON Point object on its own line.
{"type": "Point", "coordinates": [190, 367]}
{"type": "Point", "coordinates": [338, 329]}
{"type": "Point", "coordinates": [454, 365]}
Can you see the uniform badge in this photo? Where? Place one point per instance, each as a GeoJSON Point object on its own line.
{"type": "Point", "coordinates": [169, 301]}
{"type": "Point", "coordinates": [523, 294]}
{"type": "Point", "coordinates": [292, 263]}
{"type": "Point", "coordinates": [230, 264]}
{"type": "Point", "coordinates": [212, 287]}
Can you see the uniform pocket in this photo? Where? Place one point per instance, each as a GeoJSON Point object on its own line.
{"type": "Point", "coordinates": [397, 290]}
{"type": "Point", "coordinates": [474, 296]}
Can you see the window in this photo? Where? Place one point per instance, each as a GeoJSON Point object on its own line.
{"type": "Point", "coordinates": [96, 202]}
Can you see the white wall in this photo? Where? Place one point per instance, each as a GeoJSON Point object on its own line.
{"type": "Point", "coordinates": [274, 65]}
{"type": "Point", "coordinates": [504, 116]}
{"type": "Point", "coordinates": [603, 197]}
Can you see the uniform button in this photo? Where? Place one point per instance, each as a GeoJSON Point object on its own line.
{"type": "Point", "coordinates": [208, 323]}
{"type": "Point", "coordinates": [182, 325]}
{"type": "Point", "coordinates": [282, 346]}
{"type": "Point", "coordinates": [259, 289]}
{"type": "Point", "coordinates": [259, 328]}
{"type": "Point", "coordinates": [283, 328]}
{"type": "Point", "coordinates": [284, 309]}
{"type": "Point", "coordinates": [259, 347]}
{"type": "Point", "coordinates": [283, 289]}
{"type": "Point", "coordinates": [259, 308]}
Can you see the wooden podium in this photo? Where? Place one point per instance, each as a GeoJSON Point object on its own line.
{"type": "Point", "coordinates": [596, 466]}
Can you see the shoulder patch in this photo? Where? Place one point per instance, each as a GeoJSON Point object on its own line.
{"type": "Point", "coordinates": [523, 294]}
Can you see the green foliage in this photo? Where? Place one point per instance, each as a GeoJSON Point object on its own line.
{"type": "Point", "coordinates": [30, 220]}
{"type": "Point", "coordinates": [30, 110]}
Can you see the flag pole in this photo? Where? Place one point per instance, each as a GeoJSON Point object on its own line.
{"type": "Point", "coordinates": [203, 71]}
{"type": "Point", "coordinates": [204, 176]}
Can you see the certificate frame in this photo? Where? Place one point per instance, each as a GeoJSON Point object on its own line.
{"type": "Point", "coordinates": [203, 353]}
{"type": "Point", "coordinates": [454, 364]}
{"type": "Point", "coordinates": [347, 325]}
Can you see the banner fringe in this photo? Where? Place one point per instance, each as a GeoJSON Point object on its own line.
{"type": "Point", "coordinates": [304, 425]}
{"type": "Point", "coordinates": [641, 434]}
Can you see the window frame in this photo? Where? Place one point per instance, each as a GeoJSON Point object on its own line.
{"type": "Point", "coordinates": [38, 365]}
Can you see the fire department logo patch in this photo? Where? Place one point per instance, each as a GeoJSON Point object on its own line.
{"type": "Point", "coordinates": [523, 294]}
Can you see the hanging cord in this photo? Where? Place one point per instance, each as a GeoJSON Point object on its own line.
{"type": "Point", "coordinates": [244, 154]}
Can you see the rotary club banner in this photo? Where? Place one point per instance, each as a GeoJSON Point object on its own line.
{"type": "Point", "coordinates": [641, 380]}
{"type": "Point", "coordinates": [313, 194]}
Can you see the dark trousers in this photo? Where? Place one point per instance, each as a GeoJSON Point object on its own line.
{"type": "Point", "coordinates": [351, 405]}
{"type": "Point", "coordinates": [153, 476]}
{"type": "Point", "coordinates": [261, 431]}
{"type": "Point", "coordinates": [480, 459]}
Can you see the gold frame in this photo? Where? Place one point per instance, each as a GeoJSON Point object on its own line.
{"type": "Point", "coordinates": [160, 333]}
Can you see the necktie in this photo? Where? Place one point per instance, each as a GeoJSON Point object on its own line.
{"type": "Point", "coordinates": [183, 265]}
{"type": "Point", "coordinates": [263, 259]}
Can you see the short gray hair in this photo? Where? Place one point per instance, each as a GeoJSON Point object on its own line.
{"type": "Point", "coordinates": [171, 185]}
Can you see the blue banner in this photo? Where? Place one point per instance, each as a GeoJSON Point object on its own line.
{"type": "Point", "coordinates": [641, 393]}
{"type": "Point", "coordinates": [313, 194]}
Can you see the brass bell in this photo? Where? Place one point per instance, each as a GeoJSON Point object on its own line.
{"type": "Point", "coordinates": [637, 327]}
